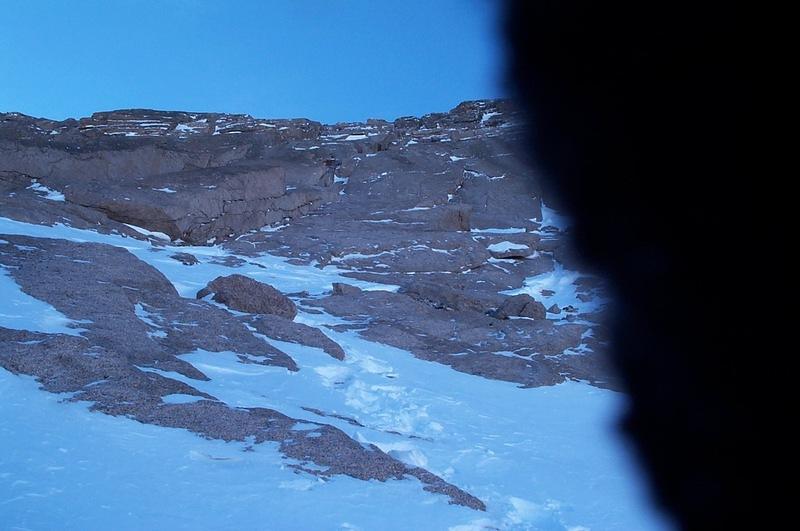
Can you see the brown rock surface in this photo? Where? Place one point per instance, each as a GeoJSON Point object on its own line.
{"type": "Point", "coordinates": [521, 306]}
{"type": "Point", "coordinates": [244, 294]}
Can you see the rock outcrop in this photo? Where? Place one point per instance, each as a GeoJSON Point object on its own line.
{"type": "Point", "coordinates": [521, 306]}
{"type": "Point", "coordinates": [282, 329]}
{"type": "Point", "coordinates": [443, 296]}
{"type": "Point", "coordinates": [345, 289]}
{"type": "Point", "coordinates": [523, 351]}
{"type": "Point", "coordinates": [505, 250]}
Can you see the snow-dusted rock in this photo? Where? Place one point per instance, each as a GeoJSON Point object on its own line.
{"type": "Point", "coordinates": [507, 249]}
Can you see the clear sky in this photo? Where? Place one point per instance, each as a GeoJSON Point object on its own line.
{"type": "Point", "coordinates": [328, 60]}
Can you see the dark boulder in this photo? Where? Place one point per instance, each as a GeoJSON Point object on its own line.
{"type": "Point", "coordinates": [345, 289]}
{"type": "Point", "coordinates": [521, 306]}
{"type": "Point", "coordinates": [244, 294]}
{"type": "Point", "coordinates": [185, 258]}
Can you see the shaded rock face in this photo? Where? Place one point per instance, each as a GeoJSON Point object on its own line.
{"type": "Point", "coordinates": [244, 294]}
{"type": "Point", "coordinates": [206, 178]}
{"type": "Point", "coordinates": [202, 205]}
{"type": "Point", "coordinates": [21, 199]}
{"type": "Point", "coordinates": [453, 218]}
{"type": "Point", "coordinates": [199, 182]}
{"type": "Point", "coordinates": [521, 306]}
{"type": "Point", "coordinates": [194, 206]}
{"type": "Point", "coordinates": [442, 296]}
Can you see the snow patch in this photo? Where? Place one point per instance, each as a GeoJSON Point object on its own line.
{"type": "Point", "coordinates": [180, 398]}
{"type": "Point", "coordinates": [509, 230]}
{"type": "Point", "coordinates": [551, 218]}
{"type": "Point", "coordinates": [47, 193]}
{"type": "Point", "coordinates": [488, 116]}
{"type": "Point", "coordinates": [20, 311]}
{"type": "Point", "coordinates": [562, 282]}
{"type": "Point", "coordinates": [154, 234]}
{"type": "Point", "coordinates": [502, 247]}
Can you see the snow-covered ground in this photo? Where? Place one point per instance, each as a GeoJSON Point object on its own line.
{"type": "Point", "coordinates": [20, 311]}
{"type": "Point", "coordinates": [273, 270]}
{"type": "Point", "coordinates": [545, 458]}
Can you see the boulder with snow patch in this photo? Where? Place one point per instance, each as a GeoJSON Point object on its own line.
{"type": "Point", "coordinates": [507, 249]}
{"type": "Point", "coordinates": [244, 294]}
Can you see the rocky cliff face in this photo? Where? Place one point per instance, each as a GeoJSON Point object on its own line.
{"type": "Point", "coordinates": [437, 218]}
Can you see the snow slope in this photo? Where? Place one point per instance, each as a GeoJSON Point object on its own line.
{"type": "Point", "coordinates": [542, 458]}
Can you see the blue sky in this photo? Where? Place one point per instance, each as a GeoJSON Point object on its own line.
{"type": "Point", "coordinates": [329, 60]}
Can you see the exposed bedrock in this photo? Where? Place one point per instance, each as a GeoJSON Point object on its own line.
{"type": "Point", "coordinates": [206, 177]}
{"type": "Point", "coordinates": [194, 184]}
{"type": "Point", "coordinates": [282, 329]}
{"type": "Point", "coordinates": [443, 296]}
{"type": "Point", "coordinates": [128, 309]}
{"type": "Point", "coordinates": [24, 199]}
{"type": "Point", "coordinates": [448, 328]}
